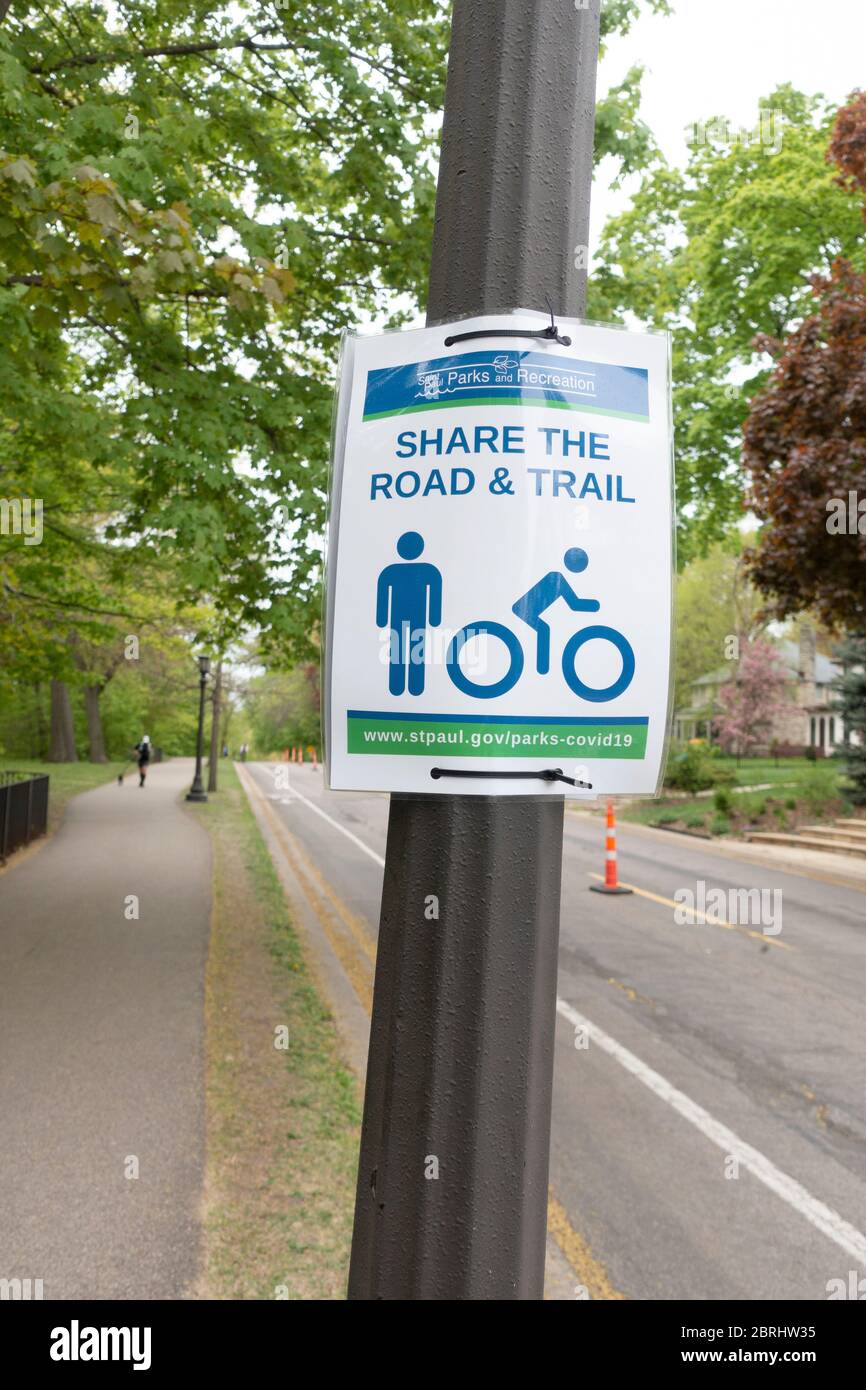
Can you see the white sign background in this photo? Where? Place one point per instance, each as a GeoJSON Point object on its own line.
{"type": "Point", "coordinates": [490, 547]}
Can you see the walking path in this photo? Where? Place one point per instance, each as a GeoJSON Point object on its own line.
{"type": "Point", "coordinates": [101, 1046]}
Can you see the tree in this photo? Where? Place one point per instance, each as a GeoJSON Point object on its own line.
{"type": "Point", "coordinates": [721, 253]}
{"type": "Point", "coordinates": [751, 701]}
{"type": "Point", "coordinates": [851, 704]}
{"type": "Point", "coordinates": [284, 708]}
{"type": "Point", "coordinates": [716, 613]}
{"type": "Point", "coordinates": [62, 747]}
{"type": "Point", "coordinates": [195, 201]}
{"type": "Point", "coordinates": [805, 438]}
{"type": "Point", "coordinates": [805, 452]}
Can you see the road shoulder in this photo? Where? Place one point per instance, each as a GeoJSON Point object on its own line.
{"type": "Point", "coordinates": [283, 1108]}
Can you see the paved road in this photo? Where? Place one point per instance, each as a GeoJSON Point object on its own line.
{"type": "Point", "coordinates": [101, 1046]}
{"type": "Point", "coordinates": [710, 1142]}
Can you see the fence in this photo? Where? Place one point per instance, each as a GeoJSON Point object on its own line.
{"type": "Point", "coordinates": [23, 809]}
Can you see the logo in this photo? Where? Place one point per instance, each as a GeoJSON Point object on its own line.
{"type": "Point", "coordinates": [76, 1343]}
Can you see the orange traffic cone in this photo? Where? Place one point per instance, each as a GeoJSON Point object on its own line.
{"type": "Point", "coordinates": [611, 882]}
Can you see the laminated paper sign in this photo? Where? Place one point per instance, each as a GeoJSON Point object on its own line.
{"type": "Point", "coordinates": [500, 560]}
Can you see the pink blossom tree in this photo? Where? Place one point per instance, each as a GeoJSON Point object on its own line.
{"type": "Point", "coordinates": [751, 701]}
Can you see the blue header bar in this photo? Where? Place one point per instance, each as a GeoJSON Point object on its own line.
{"type": "Point", "coordinates": [508, 378]}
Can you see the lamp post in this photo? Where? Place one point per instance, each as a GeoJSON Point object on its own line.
{"type": "Point", "coordinates": [197, 791]}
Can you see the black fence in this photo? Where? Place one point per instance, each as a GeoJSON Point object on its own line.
{"type": "Point", "coordinates": [23, 809]}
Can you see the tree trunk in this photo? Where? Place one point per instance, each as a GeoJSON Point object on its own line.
{"type": "Point", "coordinates": [62, 749]}
{"type": "Point", "coordinates": [216, 700]}
{"type": "Point", "coordinates": [38, 733]}
{"type": "Point", "coordinates": [95, 736]}
{"type": "Point", "coordinates": [226, 721]}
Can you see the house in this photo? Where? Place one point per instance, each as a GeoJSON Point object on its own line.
{"type": "Point", "coordinates": [809, 721]}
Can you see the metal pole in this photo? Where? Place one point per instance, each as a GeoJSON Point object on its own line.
{"type": "Point", "coordinates": [452, 1184]}
{"type": "Point", "coordinates": [197, 791]}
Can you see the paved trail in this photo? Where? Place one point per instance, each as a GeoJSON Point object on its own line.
{"type": "Point", "coordinates": [101, 1046]}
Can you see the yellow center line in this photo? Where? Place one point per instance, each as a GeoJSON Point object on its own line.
{"type": "Point", "coordinates": [578, 1252]}
{"type": "Point", "coordinates": [703, 917]}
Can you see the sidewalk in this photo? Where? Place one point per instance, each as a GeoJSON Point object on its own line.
{"type": "Point", "coordinates": [101, 1046]}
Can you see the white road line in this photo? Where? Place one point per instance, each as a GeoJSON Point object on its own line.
{"type": "Point", "coordinates": [829, 1222]}
{"type": "Point", "coordinates": [822, 1217]}
{"type": "Point", "coordinates": [296, 796]}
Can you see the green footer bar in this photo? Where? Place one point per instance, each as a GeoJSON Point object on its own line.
{"type": "Point", "coordinates": [474, 738]}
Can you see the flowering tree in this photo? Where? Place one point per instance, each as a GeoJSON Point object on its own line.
{"type": "Point", "coordinates": [752, 699]}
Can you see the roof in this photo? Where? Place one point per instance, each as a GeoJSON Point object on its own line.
{"type": "Point", "coordinates": [825, 669]}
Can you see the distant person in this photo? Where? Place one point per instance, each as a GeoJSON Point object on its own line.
{"type": "Point", "coordinates": [143, 751]}
{"type": "Point", "coordinates": [243, 752]}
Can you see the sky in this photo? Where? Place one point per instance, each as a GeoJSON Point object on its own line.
{"type": "Point", "coordinates": [717, 57]}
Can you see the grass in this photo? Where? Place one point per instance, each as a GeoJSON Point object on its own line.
{"type": "Point", "coordinates": [283, 1125]}
{"type": "Point", "coordinates": [751, 772]}
{"type": "Point", "coordinates": [67, 780]}
{"type": "Point", "coordinates": [800, 792]}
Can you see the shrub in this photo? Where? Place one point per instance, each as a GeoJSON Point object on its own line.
{"type": "Point", "coordinates": [720, 826]}
{"type": "Point", "coordinates": [689, 768]}
{"type": "Point", "coordinates": [723, 801]}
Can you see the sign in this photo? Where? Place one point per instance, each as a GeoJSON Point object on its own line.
{"type": "Point", "coordinates": [499, 567]}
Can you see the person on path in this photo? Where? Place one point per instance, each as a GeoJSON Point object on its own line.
{"type": "Point", "coordinates": [143, 751]}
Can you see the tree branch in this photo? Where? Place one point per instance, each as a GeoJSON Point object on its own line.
{"type": "Point", "coordinates": [171, 50]}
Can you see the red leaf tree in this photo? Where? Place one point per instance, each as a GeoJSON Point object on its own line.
{"type": "Point", "coordinates": [752, 700]}
{"type": "Point", "coordinates": [805, 438]}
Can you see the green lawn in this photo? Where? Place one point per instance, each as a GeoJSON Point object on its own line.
{"type": "Point", "coordinates": [67, 780]}
{"type": "Point", "coordinates": [751, 772]}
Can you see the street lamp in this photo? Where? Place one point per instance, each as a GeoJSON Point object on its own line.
{"type": "Point", "coordinates": [197, 791]}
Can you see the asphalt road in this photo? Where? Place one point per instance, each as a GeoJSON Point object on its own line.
{"type": "Point", "coordinates": [101, 1046]}
{"type": "Point", "coordinates": [710, 1141]}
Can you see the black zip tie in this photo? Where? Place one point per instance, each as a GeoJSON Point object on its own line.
{"type": "Point", "coordinates": [551, 333]}
{"type": "Point", "coordinates": [547, 774]}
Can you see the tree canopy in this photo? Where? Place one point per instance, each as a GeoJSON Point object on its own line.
{"type": "Point", "coordinates": [196, 200]}
{"type": "Point", "coordinates": [805, 438]}
{"type": "Point", "coordinates": [722, 252]}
